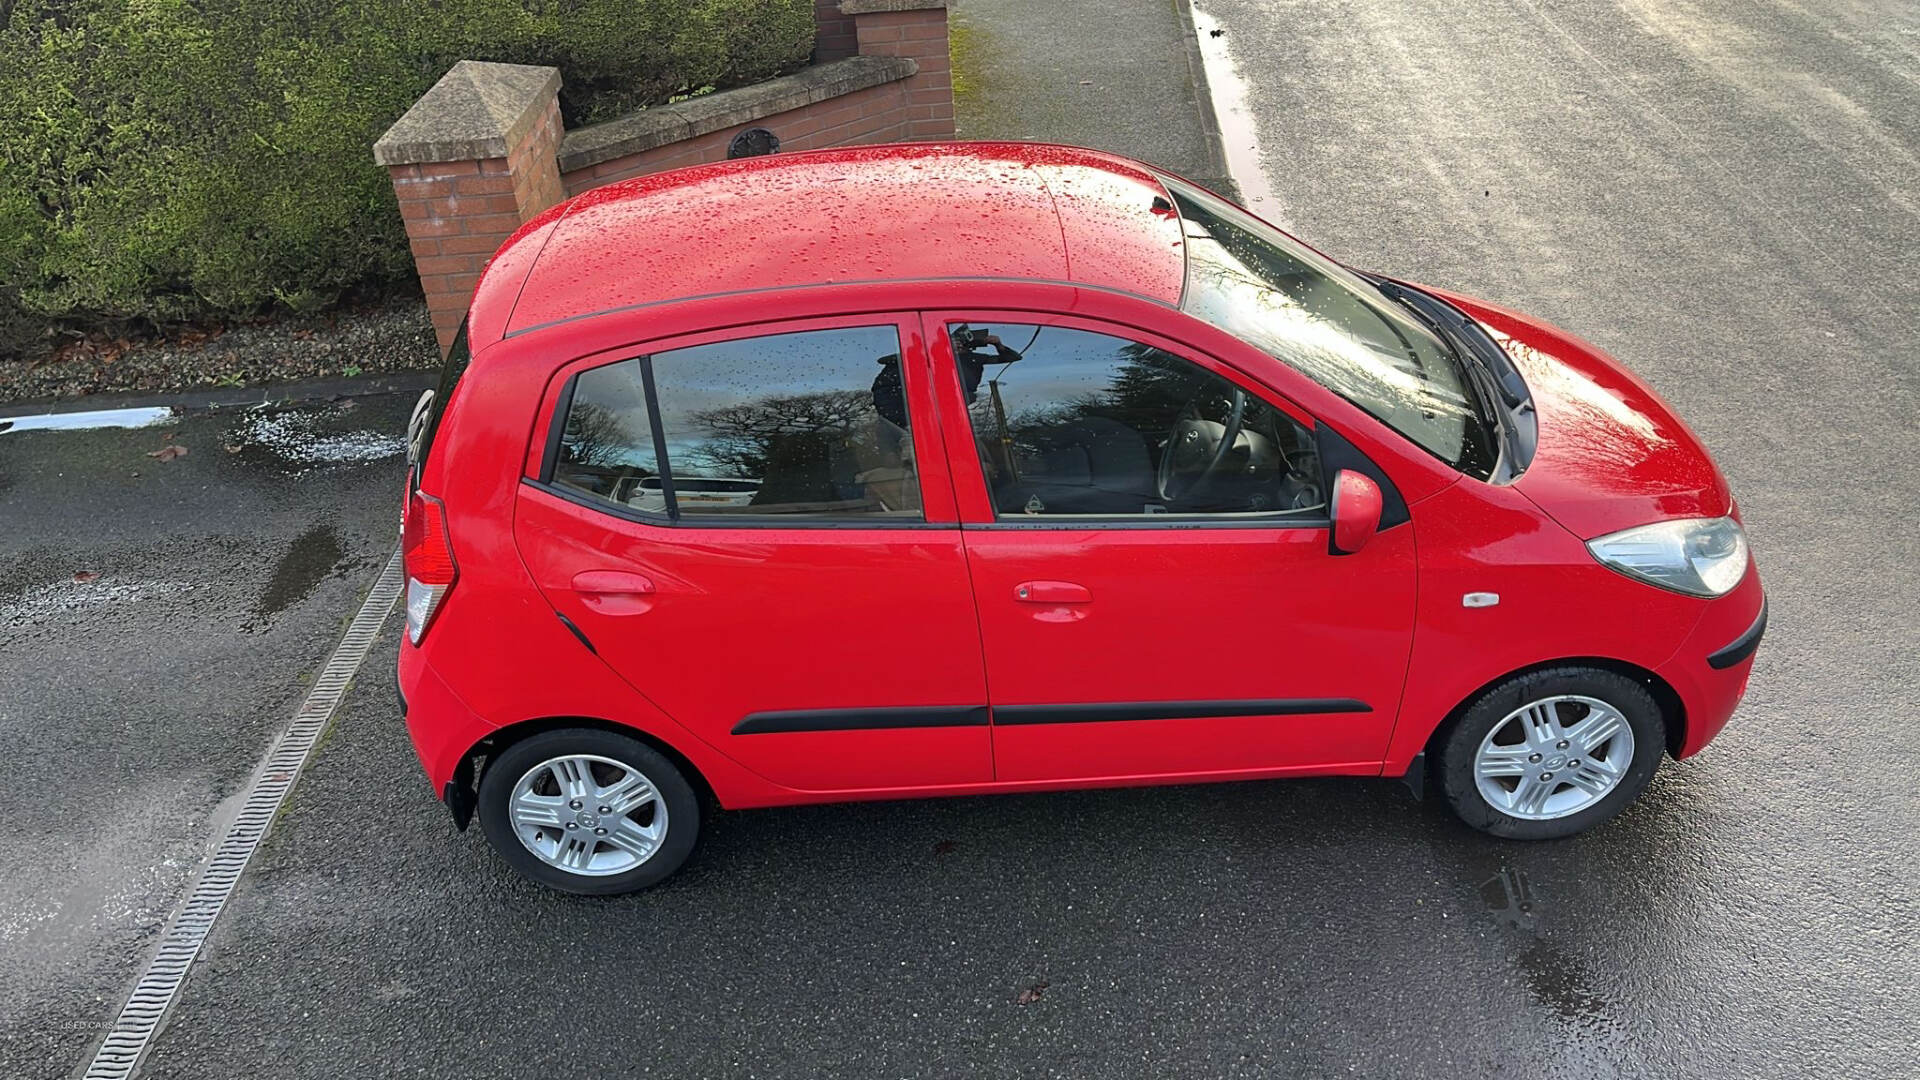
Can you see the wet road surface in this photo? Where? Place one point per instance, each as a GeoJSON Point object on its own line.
{"type": "Point", "coordinates": [1294, 928]}
{"type": "Point", "coordinates": [1721, 194]}
{"type": "Point", "coordinates": [1726, 195]}
{"type": "Point", "coordinates": [159, 621]}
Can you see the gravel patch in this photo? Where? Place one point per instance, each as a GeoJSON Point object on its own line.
{"type": "Point", "coordinates": [392, 337]}
{"type": "Point", "coordinates": [297, 441]}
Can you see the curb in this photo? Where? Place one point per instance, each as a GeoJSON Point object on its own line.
{"type": "Point", "coordinates": [1219, 179]}
{"type": "Point", "coordinates": [295, 392]}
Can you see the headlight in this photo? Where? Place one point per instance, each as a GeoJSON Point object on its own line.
{"type": "Point", "coordinates": [1696, 556]}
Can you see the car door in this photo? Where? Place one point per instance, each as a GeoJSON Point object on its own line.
{"type": "Point", "coordinates": [1148, 541]}
{"type": "Point", "coordinates": [738, 523]}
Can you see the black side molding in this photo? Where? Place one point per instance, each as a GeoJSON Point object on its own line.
{"type": "Point", "coordinates": [769, 723]}
{"type": "Point", "coordinates": [1107, 712]}
{"type": "Point", "coordinates": [1741, 647]}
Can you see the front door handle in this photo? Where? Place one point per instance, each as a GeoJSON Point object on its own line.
{"type": "Point", "coordinates": [1051, 592]}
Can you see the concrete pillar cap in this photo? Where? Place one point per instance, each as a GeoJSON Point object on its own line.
{"type": "Point", "coordinates": [476, 110]}
{"type": "Point", "coordinates": [870, 7]}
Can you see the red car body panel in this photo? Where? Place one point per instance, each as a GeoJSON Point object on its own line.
{"type": "Point", "coordinates": [952, 213]}
{"type": "Point", "coordinates": [1612, 455]}
{"type": "Point", "coordinates": [740, 622]}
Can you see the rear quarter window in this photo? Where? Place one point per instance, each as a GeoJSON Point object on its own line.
{"type": "Point", "coordinates": [425, 422]}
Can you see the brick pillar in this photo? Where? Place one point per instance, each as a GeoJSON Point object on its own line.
{"type": "Point", "coordinates": [832, 33]}
{"type": "Point", "coordinates": [471, 161]}
{"type": "Point", "coordinates": [916, 29]}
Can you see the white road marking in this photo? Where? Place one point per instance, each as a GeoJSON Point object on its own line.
{"type": "Point", "coordinates": [77, 421]}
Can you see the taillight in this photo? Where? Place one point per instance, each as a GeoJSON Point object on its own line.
{"type": "Point", "coordinates": [428, 557]}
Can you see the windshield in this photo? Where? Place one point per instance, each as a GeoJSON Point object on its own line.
{"type": "Point", "coordinates": [1327, 323]}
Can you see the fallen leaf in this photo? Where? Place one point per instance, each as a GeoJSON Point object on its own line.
{"type": "Point", "coordinates": [82, 577]}
{"type": "Point", "coordinates": [1032, 993]}
{"type": "Point", "coordinates": [944, 847]}
{"type": "Point", "coordinates": [168, 452]}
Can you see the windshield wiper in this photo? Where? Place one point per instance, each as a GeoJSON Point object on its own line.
{"type": "Point", "coordinates": [1496, 388]}
{"type": "Point", "coordinates": [1469, 341]}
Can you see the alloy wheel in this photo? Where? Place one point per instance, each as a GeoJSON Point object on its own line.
{"type": "Point", "coordinates": [1554, 757]}
{"type": "Point", "coordinates": [588, 815]}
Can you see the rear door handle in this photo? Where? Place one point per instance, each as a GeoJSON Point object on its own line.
{"type": "Point", "coordinates": [612, 583]}
{"type": "Point", "coordinates": [614, 592]}
{"type": "Point", "coordinates": [1051, 592]}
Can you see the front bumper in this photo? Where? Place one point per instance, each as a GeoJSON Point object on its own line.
{"type": "Point", "coordinates": [1710, 670]}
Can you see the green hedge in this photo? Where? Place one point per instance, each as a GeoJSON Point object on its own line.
{"type": "Point", "coordinates": [179, 159]}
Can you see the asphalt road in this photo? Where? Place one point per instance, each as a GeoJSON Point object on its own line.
{"type": "Point", "coordinates": [133, 703]}
{"type": "Point", "coordinates": [1723, 194]}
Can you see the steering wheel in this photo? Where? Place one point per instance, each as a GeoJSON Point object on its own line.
{"type": "Point", "coordinates": [1195, 441]}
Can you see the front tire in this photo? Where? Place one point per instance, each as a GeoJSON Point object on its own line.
{"type": "Point", "coordinates": [588, 811]}
{"type": "Point", "coordinates": [1552, 753]}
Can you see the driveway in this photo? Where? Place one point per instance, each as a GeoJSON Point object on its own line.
{"type": "Point", "coordinates": [1722, 194]}
{"type": "Point", "coordinates": [159, 621]}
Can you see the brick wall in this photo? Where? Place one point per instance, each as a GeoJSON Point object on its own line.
{"type": "Point", "coordinates": [480, 153]}
{"type": "Point", "coordinates": [919, 34]}
{"type": "Point", "coordinates": [833, 32]}
{"type": "Point", "coordinates": [876, 114]}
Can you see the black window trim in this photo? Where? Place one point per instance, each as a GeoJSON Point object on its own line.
{"type": "Point", "coordinates": [727, 521]}
{"type": "Point", "coordinates": [659, 432]}
{"type": "Point", "coordinates": [1065, 523]}
{"type": "Point", "coordinates": [557, 428]}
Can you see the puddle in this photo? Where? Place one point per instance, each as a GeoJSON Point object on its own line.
{"type": "Point", "coordinates": [1560, 982]}
{"type": "Point", "coordinates": [1233, 108]}
{"type": "Point", "coordinates": [1557, 980]}
{"type": "Point", "coordinates": [306, 564]}
{"type": "Point", "coordinates": [1509, 895]}
{"type": "Point", "coordinates": [298, 441]}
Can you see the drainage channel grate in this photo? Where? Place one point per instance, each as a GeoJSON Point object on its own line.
{"type": "Point", "coordinates": [160, 983]}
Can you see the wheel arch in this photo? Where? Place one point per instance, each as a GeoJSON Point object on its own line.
{"type": "Point", "coordinates": [474, 762]}
{"type": "Point", "coordinates": [1673, 711]}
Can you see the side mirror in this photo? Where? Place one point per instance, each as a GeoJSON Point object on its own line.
{"type": "Point", "coordinates": [1355, 510]}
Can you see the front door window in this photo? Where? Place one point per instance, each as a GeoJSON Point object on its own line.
{"type": "Point", "coordinates": [1072, 423]}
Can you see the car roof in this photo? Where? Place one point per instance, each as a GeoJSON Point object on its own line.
{"type": "Point", "coordinates": [906, 212]}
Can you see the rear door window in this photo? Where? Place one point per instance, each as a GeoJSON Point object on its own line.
{"type": "Point", "coordinates": [793, 426]}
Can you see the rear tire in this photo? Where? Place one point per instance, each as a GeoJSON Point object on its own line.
{"type": "Point", "coordinates": [1552, 753]}
{"type": "Point", "coordinates": [588, 811]}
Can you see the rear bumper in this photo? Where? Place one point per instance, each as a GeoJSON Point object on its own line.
{"type": "Point", "coordinates": [441, 725]}
{"type": "Point", "coordinates": [1710, 670]}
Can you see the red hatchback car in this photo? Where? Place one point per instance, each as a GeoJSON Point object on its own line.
{"type": "Point", "coordinates": [947, 469]}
